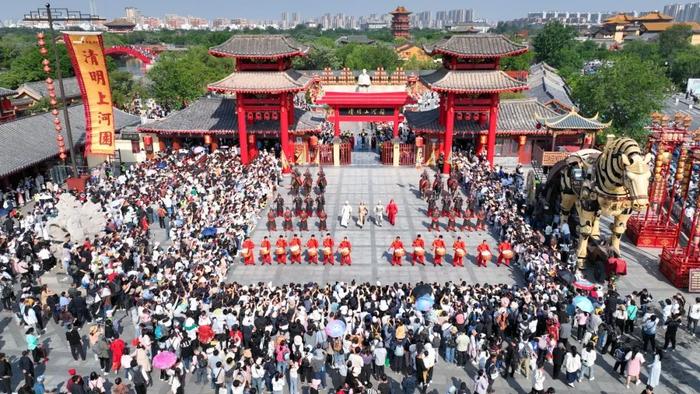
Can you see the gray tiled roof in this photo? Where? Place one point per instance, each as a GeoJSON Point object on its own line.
{"type": "Point", "coordinates": [261, 82]}
{"type": "Point", "coordinates": [218, 114]}
{"type": "Point", "coordinates": [547, 85]}
{"type": "Point", "coordinates": [476, 45]}
{"type": "Point", "coordinates": [7, 92]}
{"type": "Point", "coordinates": [30, 140]}
{"type": "Point", "coordinates": [39, 89]}
{"type": "Point", "coordinates": [573, 121]}
{"type": "Point", "coordinates": [354, 39]}
{"type": "Point", "coordinates": [488, 81]}
{"type": "Point", "coordinates": [259, 46]}
{"type": "Point", "coordinates": [518, 115]}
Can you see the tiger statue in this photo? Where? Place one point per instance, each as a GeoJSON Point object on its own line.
{"type": "Point", "coordinates": [614, 182]}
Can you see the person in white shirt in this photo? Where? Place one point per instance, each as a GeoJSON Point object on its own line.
{"type": "Point", "coordinates": [694, 316]}
{"type": "Point", "coordinates": [379, 355]}
{"type": "Point", "coordinates": [572, 365]}
{"type": "Point", "coordinates": [538, 379]}
{"type": "Point", "coordinates": [588, 356]}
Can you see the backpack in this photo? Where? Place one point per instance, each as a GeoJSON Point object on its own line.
{"type": "Point", "coordinates": [6, 291]}
{"type": "Point", "coordinates": [451, 341]}
{"type": "Point", "coordinates": [619, 354]}
{"type": "Point", "coordinates": [159, 332]}
{"type": "Point", "coordinates": [137, 377]}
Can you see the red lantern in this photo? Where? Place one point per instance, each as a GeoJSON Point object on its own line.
{"type": "Point", "coordinates": [467, 116]}
{"type": "Point", "coordinates": [41, 43]}
{"type": "Point", "coordinates": [54, 112]}
{"type": "Point", "coordinates": [52, 93]}
{"type": "Point", "coordinates": [51, 88]}
{"type": "Point", "coordinates": [258, 116]}
{"type": "Point", "coordinates": [459, 116]}
{"type": "Point", "coordinates": [476, 117]}
{"type": "Point", "coordinates": [250, 115]}
{"type": "Point", "coordinates": [49, 81]}
{"type": "Point", "coordinates": [56, 121]}
{"type": "Point", "coordinates": [59, 138]}
{"type": "Point", "coordinates": [61, 145]}
{"type": "Point", "coordinates": [43, 51]}
{"type": "Point", "coordinates": [522, 140]}
{"type": "Point", "coordinates": [61, 149]}
{"type": "Point", "coordinates": [58, 127]}
{"type": "Point", "coordinates": [483, 139]}
{"type": "Point", "coordinates": [266, 115]}
{"type": "Point", "coordinates": [62, 156]}
{"type": "Point", "coordinates": [40, 36]}
{"type": "Point", "coordinates": [275, 116]}
{"type": "Point", "coordinates": [148, 140]}
{"type": "Point", "coordinates": [538, 125]}
{"type": "Point", "coordinates": [47, 69]}
{"type": "Point", "coordinates": [207, 139]}
{"type": "Point", "coordinates": [53, 102]}
{"type": "Point", "coordinates": [313, 140]}
{"type": "Point", "coordinates": [419, 142]}
{"type": "Point", "coordinates": [45, 62]}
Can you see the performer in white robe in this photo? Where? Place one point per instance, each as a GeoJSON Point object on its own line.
{"type": "Point", "coordinates": [345, 214]}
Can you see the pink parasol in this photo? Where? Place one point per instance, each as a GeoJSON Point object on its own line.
{"type": "Point", "coordinates": [584, 285]}
{"type": "Point", "coordinates": [164, 360]}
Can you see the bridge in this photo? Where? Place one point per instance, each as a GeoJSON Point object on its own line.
{"type": "Point", "coordinates": [146, 54]}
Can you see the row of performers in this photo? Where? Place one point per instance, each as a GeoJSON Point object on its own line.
{"type": "Point", "coordinates": [325, 251]}
{"type": "Point", "coordinates": [293, 247]}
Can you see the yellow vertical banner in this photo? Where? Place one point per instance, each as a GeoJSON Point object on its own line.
{"type": "Point", "coordinates": [86, 52]}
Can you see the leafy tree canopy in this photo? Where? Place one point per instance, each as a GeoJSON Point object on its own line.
{"type": "Point", "coordinates": [551, 41]}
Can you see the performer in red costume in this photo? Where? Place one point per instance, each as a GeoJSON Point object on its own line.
{"type": "Point", "coordinates": [295, 249]}
{"type": "Point", "coordinates": [312, 250]}
{"type": "Point", "coordinates": [398, 253]}
{"type": "Point", "coordinates": [281, 251]}
{"type": "Point", "coordinates": [438, 243]}
{"type": "Point", "coordinates": [265, 252]}
{"type": "Point", "coordinates": [248, 246]}
{"type": "Point", "coordinates": [345, 244]}
{"type": "Point", "coordinates": [420, 256]}
{"type": "Point", "coordinates": [504, 247]}
{"type": "Point", "coordinates": [460, 249]}
{"type": "Point", "coordinates": [328, 249]}
{"type": "Point", "coordinates": [480, 259]}
{"type": "Point", "coordinates": [391, 211]}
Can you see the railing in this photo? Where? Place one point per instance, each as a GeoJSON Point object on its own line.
{"type": "Point", "coordinates": [326, 154]}
{"type": "Point", "coordinates": [407, 154]}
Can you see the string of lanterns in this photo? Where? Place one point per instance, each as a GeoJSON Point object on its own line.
{"type": "Point", "coordinates": [52, 96]}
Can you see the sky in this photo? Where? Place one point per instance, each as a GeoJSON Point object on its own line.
{"type": "Point", "coordinates": [492, 10]}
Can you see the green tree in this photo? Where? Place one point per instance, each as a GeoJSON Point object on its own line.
{"type": "Point", "coordinates": [685, 64]}
{"type": "Point", "coordinates": [415, 64]}
{"type": "Point", "coordinates": [644, 50]}
{"type": "Point", "coordinates": [518, 63]}
{"type": "Point", "coordinates": [124, 88]}
{"type": "Point", "coordinates": [178, 78]}
{"type": "Point", "coordinates": [27, 66]}
{"type": "Point", "coordinates": [318, 58]}
{"type": "Point", "coordinates": [551, 41]}
{"type": "Point", "coordinates": [626, 90]}
{"type": "Point", "coordinates": [674, 39]}
{"type": "Point", "coordinates": [372, 56]}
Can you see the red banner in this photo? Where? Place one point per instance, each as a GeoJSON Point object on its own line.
{"type": "Point", "coordinates": [86, 52]}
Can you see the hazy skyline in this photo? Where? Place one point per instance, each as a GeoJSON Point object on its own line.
{"type": "Point", "coordinates": [492, 10]}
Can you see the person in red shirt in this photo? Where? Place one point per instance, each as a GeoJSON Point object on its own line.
{"type": "Point", "coordinates": [322, 218]}
{"type": "Point", "coordinates": [328, 243]}
{"type": "Point", "coordinates": [434, 221]}
{"type": "Point", "coordinates": [452, 221]}
{"type": "Point", "coordinates": [481, 220]}
{"type": "Point", "coordinates": [459, 247]}
{"type": "Point", "coordinates": [271, 224]}
{"type": "Point", "coordinates": [438, 243]}
{"type": "Point", "coordinates": [281, 244]}
{"type": "Point", "coordinates": [483, 247]}
{"type": "Point", "coordinates": [249, 257]}
{"type": "Point", "coordinates": [502, 247]}
{"type": "Point", "coordinates": [312, 250]}
{"type": "Point", "coordinates": [345, 260]}
{"type": "Point", "coordinates": [467, 223]}
{"type": "Point", "coordinates": [391, 211]}
{"type": "Point", "coordinates": [295, 256]}
{"type": "Point", "coordinates": [265, 252]}
{"type": "Point", "coordinates": [287, 217]}
{"type": "Point", "coordinates": [418, 243]}
{"type": "Point", "coordinates": [303, 221]}
{"type": "Point", "coordinates": [397, 245]}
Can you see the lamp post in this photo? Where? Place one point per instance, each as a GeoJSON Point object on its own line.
{"type": "Point", "coordinates": [51, 15]}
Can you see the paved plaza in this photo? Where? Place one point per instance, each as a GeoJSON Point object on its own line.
{"type": "Point", "coordinates": [371, 183]}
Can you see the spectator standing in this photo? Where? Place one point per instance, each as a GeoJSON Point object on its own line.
{"type": "Point", "coordinates": [572, 366]}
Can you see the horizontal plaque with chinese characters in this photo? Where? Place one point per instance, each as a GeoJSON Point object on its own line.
{"type": "Point", "coordinates": [366, 112]}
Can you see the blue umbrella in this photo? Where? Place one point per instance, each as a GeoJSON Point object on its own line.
{"type": "Point", "coordinates": [335, 328]}
{"type": "Point", "coordinates": [161, 165]}
{"type": "Point", "coordinates": [583, 303]}
{"type": "Point", "coordinates": [425, 303]}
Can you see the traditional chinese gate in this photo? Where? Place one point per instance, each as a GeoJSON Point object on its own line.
{"type": "Point", "coordinates": [326, 154]}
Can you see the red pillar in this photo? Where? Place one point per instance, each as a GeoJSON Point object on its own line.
{"type": "Point", "coordinates": [284, 127]}
{"type": "Point", "coordinates": [493, 121]}
{"type": "Point", "coordinates": [396, 123]}
{"type": "Point", "coordinates": [242, 135]}
{"type": "Point", "coordinates": [252, 146]}
{"type": "Point", "coordinates": [449, 130]}
{"type": "Point", "coordinates": [336, 122]}
{"type": "Point", "coordinates": [522, 141]}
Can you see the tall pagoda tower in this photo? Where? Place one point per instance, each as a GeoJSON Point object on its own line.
{"type": "Point", "coordinates": [400, 24]}
{"type": "Point", "coordinates": [263, 83]}
{"type": "Point", "coordinates": [470, 82]}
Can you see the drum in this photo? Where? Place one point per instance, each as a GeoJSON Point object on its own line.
{"type": "Point", "coordinates": [440, 251]}
{"type": "Point", "coordinates": [399, 252]}
{"type": "Point", "coordinates": [264, 251]}
{"type": "Point", "coordinates": [486, 255]}
{"type": "Point", "coordinates": [460, 252]}
{"type": "Point", "coordinates": [419, 251]}
{"type": "Point", "coordinates": [280, 251]}
{"type": "Point", "coordinates": [327, 250]}
{"type": "Point", "coordinates": [507, 254]}
{"type": "Point", "coordinates": [245, 252]}
{"type": "Point", "coordinates": [312, 251]}
{"type": "Point", "coordinates": [344, 251]}
{"type": "Point", "coordinates": [295, 250]}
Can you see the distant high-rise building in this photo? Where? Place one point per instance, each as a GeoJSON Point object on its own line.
{"type": "Point", "coordinates": [683, 12]}
{"type": "Point", "coordinates": [132, 14]}
{"type": "Point", "coordinates": [400, 22]}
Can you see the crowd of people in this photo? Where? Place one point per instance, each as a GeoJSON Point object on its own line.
{"type": "Point", "coordinates": [187, 324]}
